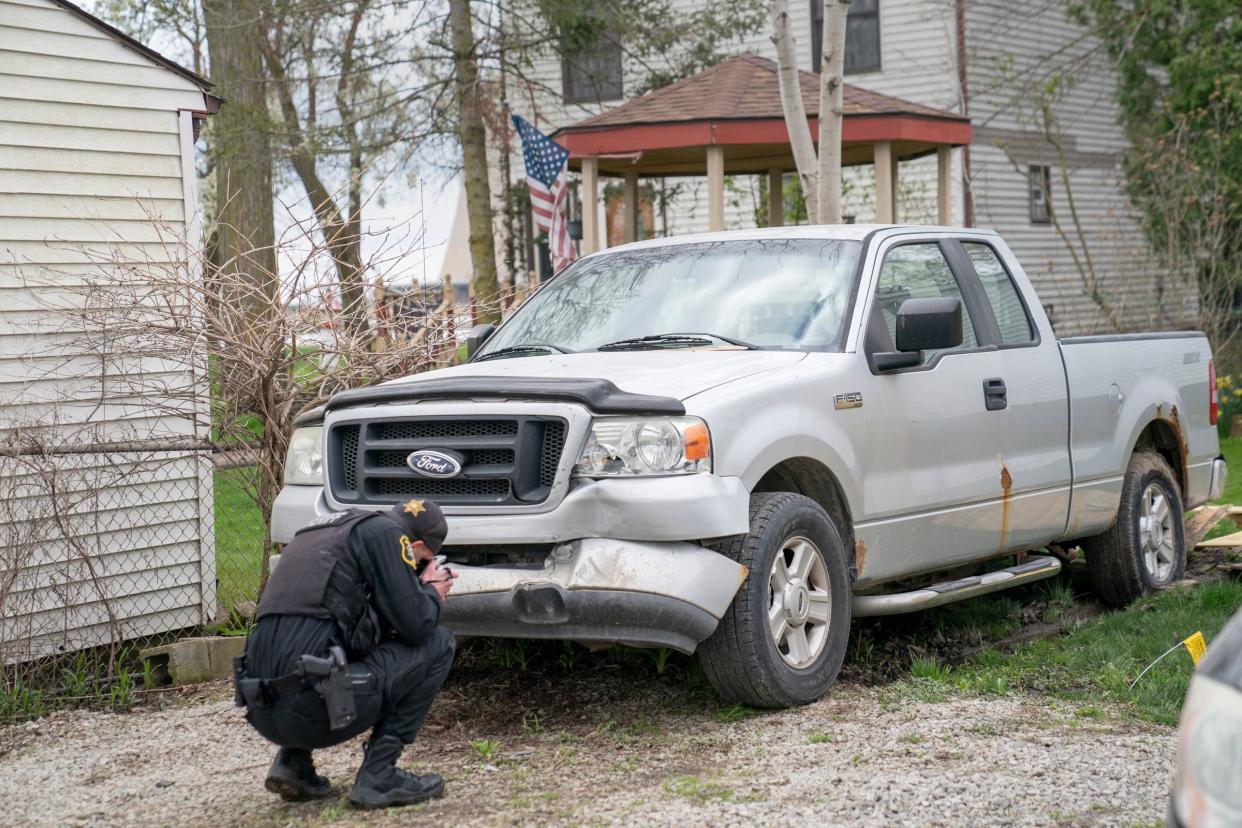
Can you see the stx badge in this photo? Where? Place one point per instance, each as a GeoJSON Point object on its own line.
{"type": "Point", "coordinates": [850, 399]}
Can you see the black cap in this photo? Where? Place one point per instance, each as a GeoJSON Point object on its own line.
{"type": "Point", "coordinates": [423, 521]}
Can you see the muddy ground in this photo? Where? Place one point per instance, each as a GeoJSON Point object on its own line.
{"type": "Point", "coordinates": [614, 745]}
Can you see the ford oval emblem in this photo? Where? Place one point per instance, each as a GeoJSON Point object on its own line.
{"type": "Point", "coordinates": [429, 463]}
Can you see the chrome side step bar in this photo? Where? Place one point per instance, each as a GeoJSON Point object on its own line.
{"type": "Point", "coordinates": [1035, 568]}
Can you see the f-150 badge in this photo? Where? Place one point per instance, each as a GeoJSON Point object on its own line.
{"type": "Point", "coordinates": [850, 399]}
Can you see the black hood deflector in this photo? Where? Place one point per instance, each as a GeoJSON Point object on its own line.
{"type": "Point", "coordinates": [599, 395]}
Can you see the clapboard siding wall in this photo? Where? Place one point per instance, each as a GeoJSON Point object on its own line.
{"type": "Point", "coordinates": [95, 141]}
{"type": "Point", "coordinates": [1012, 50]}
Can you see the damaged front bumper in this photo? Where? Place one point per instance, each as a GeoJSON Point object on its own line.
{"type": "Point", "coordinates": [599, 590]}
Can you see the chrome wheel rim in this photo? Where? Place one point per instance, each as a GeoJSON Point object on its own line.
{"type": "Point", "coordinates": [1156, 533]}
{"type": "Point", "coordinates": [799, 602]}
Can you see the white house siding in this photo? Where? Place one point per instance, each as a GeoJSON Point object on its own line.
{"type": "Point", "coordinates": [1009, 47]}
{"type": "Point", "coordinates": [94, 159]}
{"type": "Point", "coordinates": [1014, 50]}
{"type": "Point", "coordinates": [918, 63]}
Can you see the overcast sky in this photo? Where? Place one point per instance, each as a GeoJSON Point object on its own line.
{"type": "Point", "coordinates": [405, 225]}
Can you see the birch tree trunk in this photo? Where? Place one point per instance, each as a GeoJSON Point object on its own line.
{"type": "Point", "coordinates": [795, 112]}
{"type": "Point", "coordinates": [831, 111]}
{"type": "Point", "coordinates": [473, 135]}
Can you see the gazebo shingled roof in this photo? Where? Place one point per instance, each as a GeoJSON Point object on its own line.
{"type": "Point", "coordinates": [728, 119]}
{"type": "Point", "coordinates": [736, 103]}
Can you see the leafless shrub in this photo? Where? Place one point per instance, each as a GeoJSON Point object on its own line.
{"type": "Point", "coordinates": [1190, 212]}
{"type": "Point", "coordinates": [173, 349]}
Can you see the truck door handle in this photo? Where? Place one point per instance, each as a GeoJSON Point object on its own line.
{"type": "Point", "coordinates": [995, 395]}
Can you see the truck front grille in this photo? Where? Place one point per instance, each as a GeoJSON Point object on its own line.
{"type": "Point", "coordinates": [507, 461]}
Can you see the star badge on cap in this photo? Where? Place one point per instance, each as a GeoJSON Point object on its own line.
{"type": "Point", "coordinates": [415, 508]}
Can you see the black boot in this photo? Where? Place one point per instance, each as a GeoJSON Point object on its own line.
{"type": "Point", "coordinates": [293, 776]}
{"type": "Point", "coordinates": [381, 784]}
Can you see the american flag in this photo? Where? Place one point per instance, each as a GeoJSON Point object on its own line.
{"type": "Point", "coordinates": [546, 175]}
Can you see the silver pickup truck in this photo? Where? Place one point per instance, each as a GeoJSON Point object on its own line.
{"type": "Point", "coordinates": [733, 443]}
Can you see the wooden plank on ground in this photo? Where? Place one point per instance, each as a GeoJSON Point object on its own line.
{"type": "Point", "coordinates": [1202, 520]}
{"type": "Point", "coordinates": [1223, 542]}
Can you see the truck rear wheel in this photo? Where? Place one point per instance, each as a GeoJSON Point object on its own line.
{"type": "Point", "coordinates": [1146, 546]}
{"type": "Point", "coordinates": [782, 640]}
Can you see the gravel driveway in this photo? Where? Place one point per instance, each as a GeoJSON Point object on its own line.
{"type": "Point", "coordinates": [615, 748]}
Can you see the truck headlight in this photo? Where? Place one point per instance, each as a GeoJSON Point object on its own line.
{"type": "Point", "coordinates": [304, 461]}
{"type": "Point", "coordinates": [628, 446]}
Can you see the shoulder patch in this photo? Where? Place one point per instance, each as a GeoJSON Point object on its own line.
{"type": "Point", "coordinates": [407, 552]}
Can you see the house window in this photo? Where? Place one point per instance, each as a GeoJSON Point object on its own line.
{"type": "Point", "coordinates": [1040, 194]}
{"type": "Point", "coordinates": [862, 36]}
{"type": "Point", "coordinates": [593, 75]}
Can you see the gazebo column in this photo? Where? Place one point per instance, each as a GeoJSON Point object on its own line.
{"type": "Point", "coordinates": [894, 179]}
{"type": "Point", "coordinates": [943, 196]}
{"type": "Point", "coordinates": [715, 187]}
{"type": "Point", "coordinates": [885, 184]}
{"type": "Point", "coordinates": [776, 198]}
{"type": "Point", "coordinates": [631, 205]}
{"type": "Point", "coordinates": [590, 205]}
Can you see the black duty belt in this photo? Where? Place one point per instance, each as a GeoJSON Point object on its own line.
{"type": "Point", "coordinates": [258, 692]}
{"type": "Point", "coordinates": [328, 676]}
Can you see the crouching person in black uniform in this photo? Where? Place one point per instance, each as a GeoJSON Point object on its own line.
{"type": "Point", "coordinates": [347, 639]}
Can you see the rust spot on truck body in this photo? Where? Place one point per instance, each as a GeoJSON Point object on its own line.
{"type": "Point", "coordinates": [1174, 419]}
{"type": "Point", "coordinates": [860, 557]}
{"type": "Point", "coordinates": [1006, 481]}
{"type": "Point", "coordinates": [1183, 447]}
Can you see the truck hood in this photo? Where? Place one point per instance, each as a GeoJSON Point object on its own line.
{"type": "Point", "coordinates": [679, 374]}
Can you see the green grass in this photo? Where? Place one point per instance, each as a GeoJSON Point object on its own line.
{"type": "Point", "coordinates": [735, 713]}
{"type": "Point", "coordinates": [1231, 447]}
{"type": "Point", "coordinates": [240, 535]}
{"type": "Point", "coordinates": [1097, 662]}
{"type": "Point", "coordinates": [485, 749]}
{"type": "Point", "coordinates": [696, 790]}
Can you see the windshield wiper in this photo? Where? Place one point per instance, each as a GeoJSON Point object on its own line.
{"type": "Point", "coordinates": [515, 350]}
{"type": "Point", "coordinates": [674, 339]}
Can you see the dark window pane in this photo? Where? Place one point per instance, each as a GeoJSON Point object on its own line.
{"type": "Point", "coordinates": [862, 35]}
{"type": "Point", "coordinates": [862, 44]}
{"type": "Point", "coordinates": [917, 271]}
{"type": "Point", "coordinates": [594, 74]}
{"type": "Point", "coordinates": [1040, 194]}
{"type": "Point", "coordinates": [1015, 325]}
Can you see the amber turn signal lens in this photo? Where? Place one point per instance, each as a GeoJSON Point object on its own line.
{"type": "Point", "coordinates": [698, 443]}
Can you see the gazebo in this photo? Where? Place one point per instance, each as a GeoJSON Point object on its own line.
{"type": "Point", "coordinates": [728, 119]}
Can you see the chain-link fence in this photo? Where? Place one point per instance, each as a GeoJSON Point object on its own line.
{"type": "Point", "coordinates": [102, 546]}
{"type": "Point", "coordinates": [107, 544]}
{"type": "Point", "coordinates": [107, 547]}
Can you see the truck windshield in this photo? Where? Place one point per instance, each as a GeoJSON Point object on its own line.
{"type": "Point", "coordinates": [772, 293]}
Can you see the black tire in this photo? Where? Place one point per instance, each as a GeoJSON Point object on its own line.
{"type": "Point", "coordinates": [740, 658]}
{"type": "Point", "coordinates": [1116, 559]}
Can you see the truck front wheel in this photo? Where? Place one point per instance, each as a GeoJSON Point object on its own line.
{"type": "Point", "coordinates": [1145, 547]}
{"type": "Point", "coordinates": [782, 640]}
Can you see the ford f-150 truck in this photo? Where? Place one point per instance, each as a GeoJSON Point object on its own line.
{"type": "Point", "coordinates": [735, 442]}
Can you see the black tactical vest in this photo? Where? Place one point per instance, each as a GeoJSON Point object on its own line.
{"type": "Point", "coordinates": [318, 577]}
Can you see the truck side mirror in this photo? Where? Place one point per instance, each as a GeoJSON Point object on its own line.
{"type": "Point", "coordinates": [923, 325]}
{"type": "Point", "coordinates": [477, 336]}
{"type": "Point", "coordinates": [929, 324]}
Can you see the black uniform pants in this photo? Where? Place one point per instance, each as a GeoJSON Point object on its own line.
{"type": "Point", "coordinates": [394, 687]}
